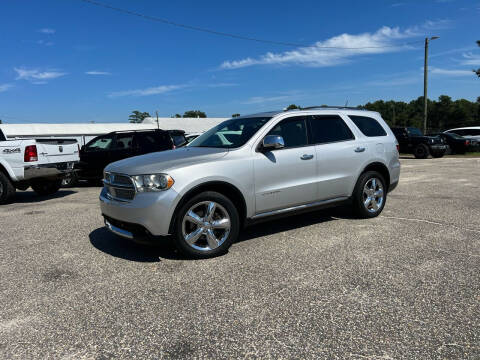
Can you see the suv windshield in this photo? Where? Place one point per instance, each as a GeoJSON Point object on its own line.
{"type": "Point", "coordinates": [229, 134]}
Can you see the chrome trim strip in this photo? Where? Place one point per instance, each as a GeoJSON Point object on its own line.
{"type": "Point", "coordinates": [118, 231]}
{"type": "Point", "coordinates": [298, 207]}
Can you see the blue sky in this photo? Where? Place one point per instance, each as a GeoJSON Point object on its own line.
{"type": "Point", "coordinates": [70, 61]}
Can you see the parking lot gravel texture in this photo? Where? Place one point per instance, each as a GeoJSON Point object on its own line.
{"type": "Point", "coordinates": [323, 285]}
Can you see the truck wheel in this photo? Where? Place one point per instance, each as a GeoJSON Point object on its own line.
{"type": "Point", "coordinates": [46, 187]}
{"type": "Point", "coordinates": [369, 195]}
{"type": "Point", "coordinates": [421, 151]}
{"type": "Point", "coordinates": [206, 225]}
{"type": "Point", "coordinates": [7, 190]}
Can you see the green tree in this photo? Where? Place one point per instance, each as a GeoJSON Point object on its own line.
{"type": "Point", "coordinates": [293, 106]}
{"type": "Point", "coordinates": [138, 116]}
{"type": "Point", "coordinates": [178, 116]}
{"type": "Point", "coordinates": [235, 115]}
{"type": "Point", "coordinates": [194, 114]}
{"type": "Point", "coordinates": [0, 121]}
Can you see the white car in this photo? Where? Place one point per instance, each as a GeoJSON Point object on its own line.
{"type": "Point", "coordinates": [40, 164]}
{"type": "Point", "coordinates": [250, 168]}
{"type": "Point", "coordinates": [470, 132]}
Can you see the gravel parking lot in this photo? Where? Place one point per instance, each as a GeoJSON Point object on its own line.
{"type": "Point", "coordinates": [322, 285]}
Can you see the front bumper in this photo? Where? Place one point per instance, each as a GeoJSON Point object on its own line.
{"type": "Point", "coordinates": [438, 148]}
{"type": "Point", "coordinates": [152, 211]}
{"type": "Point", "coordinates": [53, 170]}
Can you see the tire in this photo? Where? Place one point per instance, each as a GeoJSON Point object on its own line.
{"type": "Point", "coordinates": [46, 187]}
{"type": "Point", "coordinates": [70, 180]}
{"type": "Point", "coordinates": [421, 151]}
{"type": "Point", "coordinates": [7, 190]}
{"type": "Point", "coordinates": [360, 195]}
{"type": "Point", "coordinates": [225, 214]}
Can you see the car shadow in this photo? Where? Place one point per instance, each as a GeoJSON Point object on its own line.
{"type": "Point", "coordinates": [32, 197]}
{"type": "Point", "coordinates": [116, 246]}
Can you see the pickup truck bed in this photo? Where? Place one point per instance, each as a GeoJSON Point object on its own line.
{"type": "Point", "coordinates": [40, 164]}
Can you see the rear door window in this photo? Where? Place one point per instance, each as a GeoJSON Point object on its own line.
{"type": "Point", "coordinates": [328, 129]}
{"type": "Point", "coordinates": [179, 139]}
{"type": "Point", "coordinates": [123, 142]}
{"type": "Point", "coordinates": [147, 142]}
{"type": "Point", "coordinates": [368, 126]}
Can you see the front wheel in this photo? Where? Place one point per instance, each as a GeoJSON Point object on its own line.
{"type": "Point", "coordinates": [46, 187]}
{"type": "Point", "coordinates": [206, 225]}
{"type": "Point", "coordinates": [369, 195]}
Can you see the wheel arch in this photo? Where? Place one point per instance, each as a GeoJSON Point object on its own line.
{"type": "Point", "coordinates": [380, 168]}
{"type": "Point", "coordinates": [225, 188]}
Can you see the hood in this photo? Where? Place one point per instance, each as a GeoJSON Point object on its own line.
{"type": "Point", "coordinates": [165, 160]}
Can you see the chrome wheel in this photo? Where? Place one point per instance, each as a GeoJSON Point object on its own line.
{"type": "Point", "coordinates": [373, 195]}
{"type": "Point", "coordinates": [206, 226]}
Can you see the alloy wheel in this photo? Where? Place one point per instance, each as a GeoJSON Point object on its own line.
{"type": "Point", "coordinates": [206, 226]}
{"type": "Point", "coordinates": [373, 195]}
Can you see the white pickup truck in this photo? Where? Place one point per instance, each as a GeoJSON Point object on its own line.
{"type": "Point", "coordinates": [40, 163]}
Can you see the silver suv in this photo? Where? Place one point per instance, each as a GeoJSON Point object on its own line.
{"type": "Point", "coordinates": [249, 168]}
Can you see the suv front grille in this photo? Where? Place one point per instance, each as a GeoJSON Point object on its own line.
{"type": "Point", "coordinates": [119, 187]}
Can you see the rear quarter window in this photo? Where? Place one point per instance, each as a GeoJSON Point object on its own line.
{"type": "Point", "coordinates": [368, 126]}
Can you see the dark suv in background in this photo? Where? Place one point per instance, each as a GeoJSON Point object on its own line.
{"type": "Point", "coordinates": [105, 149]}
{"type": "Point", "coordinates": [412, 141]}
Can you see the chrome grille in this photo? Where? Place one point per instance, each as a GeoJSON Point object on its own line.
{"type": "Point", "coordinates": [119, 187]}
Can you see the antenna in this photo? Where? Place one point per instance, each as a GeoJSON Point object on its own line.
{"type": "Point", "coordinates": [346, 103]}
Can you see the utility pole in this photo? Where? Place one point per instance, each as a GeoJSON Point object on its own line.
{"type": "Point", "coordinates": [425, 84]}
{"type": "Point", "coordinates": [158, 124]}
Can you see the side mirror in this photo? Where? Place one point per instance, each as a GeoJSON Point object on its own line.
{"type": "Point", "coordinates": [272, 142]}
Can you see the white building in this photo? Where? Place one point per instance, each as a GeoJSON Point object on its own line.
{"type": "Point", "coordinates": [83, 133]}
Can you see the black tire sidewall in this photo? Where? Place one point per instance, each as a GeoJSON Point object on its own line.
{"type": "Point", "coordinates": [184, 248]}
{"type": "Point", "coordinates": [358, 194]}
{"type": "Point", "coordinates": [8, 189]}
{"type": "Point", "coordinates": [423, 154]}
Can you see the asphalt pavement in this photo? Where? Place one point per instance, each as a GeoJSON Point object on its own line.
{"type": "Point", "coordinates": [405, 285]}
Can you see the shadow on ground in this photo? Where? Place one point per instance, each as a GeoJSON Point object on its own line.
{"type": "Point", "coordinates": [126, 249]}
{"type": "Point", "coordinates": [32, 197]}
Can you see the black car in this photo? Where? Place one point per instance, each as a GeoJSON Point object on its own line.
{"type": "Point", "coordinates": [458, 144]}
{"type": "Point", "coordinates": [105, 149]}
{"type": "Point", "coordinates": [412, 141]}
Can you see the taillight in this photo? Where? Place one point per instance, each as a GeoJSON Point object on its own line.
{"type": "Point", "coordinates": [30, 153]}
{"type": "Point", "coordinates": [467, 142]}
{"type": "Point", "coordinates": [398, 147]}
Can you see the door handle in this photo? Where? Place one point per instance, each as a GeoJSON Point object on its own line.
{"type": "Point", "coordinates": [306, 157]}
{"type": "Point", "coordinates": [360, 149]}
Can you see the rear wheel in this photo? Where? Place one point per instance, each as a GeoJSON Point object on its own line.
{"type": "Point", "coordinates": [421, 151]}
{"type": "Point", "coordinates": [369, 195]}
{"type": "Point", "coordinates": [70, 180]}
{"type": "Point", "coordinates": [46, 187]}
{"type": "Point", "coordinates": [206, 225]}
{"type": "Point", "coordinates": [7, 190]}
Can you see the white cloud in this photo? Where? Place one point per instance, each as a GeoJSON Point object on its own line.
{"type": "Point", "coordinates": [450, 72]}
{"type": "Point", "coordinates": [340, 49]}
{"type": "Point", "coordinates": [95, 72]}
{"type": "Point", "coordinates": [162, 89]}
{"type": "Point", "coordinates": [5, 87]}
{"type": "Point", "coordinates": [47, 31]}
{"type": "Point", "coordinates": [36, 76]}
{"type": "Point", "coordinates": [470, 59]}
{"type": "Point", "coordinates": [46, 43]}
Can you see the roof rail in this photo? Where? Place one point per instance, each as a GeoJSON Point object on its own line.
{"type": "Point", "coordinates": [331, 107]}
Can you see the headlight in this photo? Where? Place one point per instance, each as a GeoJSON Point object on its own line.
{"type": "Point", "coordinates": [154, 182]}
{"type": "Point", "coordinates": [432, 141]}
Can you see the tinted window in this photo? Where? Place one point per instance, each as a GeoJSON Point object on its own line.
{"type": "Point", "coordinates": [101, 143]}
{"type": "Point", "coordinates": [2, 137]}
{"type": "Point", "coordinates": [179, 140]}
{"type": "Point", "coordinates": [472, 132]}
{"type": "Point", "coordinates": [293, 130]}
{"type": "Point", "coordinates": [231, 133]}
{"type": "Point", "coordinates": [368, 126]}
{"type": "Point", "coordinates": [123, 141]}
{"type": "Point", "coordinates": [329, 128]}
{"type": "Point", "coordinates": [148, 142]}
{"type": "Point", "coordinates": [415, 132]}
